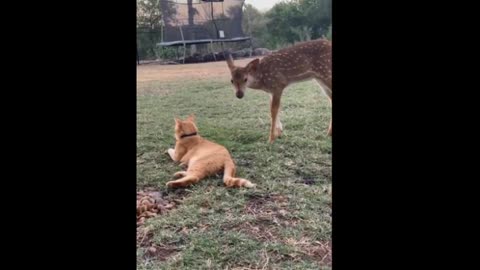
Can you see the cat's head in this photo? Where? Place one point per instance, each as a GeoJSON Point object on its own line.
{"type": "Point", "coordinates": [185, 128]}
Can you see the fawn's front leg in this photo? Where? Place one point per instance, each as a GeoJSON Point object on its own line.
{"type": "Point", "coordinates": [329, 94]}
{"type": "Point", "coordinates": [276, 126]}
{"type": "Point", "coordinates": [330, 129]}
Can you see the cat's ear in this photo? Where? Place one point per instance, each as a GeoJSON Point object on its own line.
{"type": "Point", "coordinates": [191, 117]}
{"type": "Point", "coordinates": [177, 121]}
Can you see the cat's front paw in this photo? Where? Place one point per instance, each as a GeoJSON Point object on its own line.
{"type": "Point", "coordinates": [171, 153]}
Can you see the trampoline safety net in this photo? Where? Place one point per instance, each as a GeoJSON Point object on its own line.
{"type": "Point", "coordinates": [197, 20]}
{"type": "Point", "coordinates": [192, 31]}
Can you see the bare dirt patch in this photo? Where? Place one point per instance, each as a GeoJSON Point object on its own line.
{"type": "Point", "coordinates": [263, 204]}
{"type": "Point", "coordinates": [161, 253]}
{"type": "Point", "coordinates": [202, 71]}
{"type": "Point", "coordinates": [306, 181]}
{"type": "Point", "coordinates": [321, 252]}
{"type": "Point", "coordinates": [270, 212]}
{"type": "Point", "coordinates": [150, 204]}
{"type": "Point", "coordinates": [152, 250]}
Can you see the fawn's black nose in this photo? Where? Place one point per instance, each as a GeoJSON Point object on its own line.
{"type": "Point", "coordinates": [239, 94]}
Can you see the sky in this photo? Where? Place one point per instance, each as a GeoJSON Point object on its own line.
{"type": "Point", "coordinates": [262, 5]}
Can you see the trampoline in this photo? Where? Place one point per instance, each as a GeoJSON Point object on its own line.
{"type": "Point", "coordinates": [196, 22]}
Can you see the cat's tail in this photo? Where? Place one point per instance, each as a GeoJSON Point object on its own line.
{"type": "Point", "coordinates": [231, 181]}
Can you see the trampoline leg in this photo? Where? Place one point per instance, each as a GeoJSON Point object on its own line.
{"type": "Point", "coordinates": [184, 52]}
{"type": "Point", "coordinates": [213, 53]}
{"type": "Point", "coordinates": [251, 47]}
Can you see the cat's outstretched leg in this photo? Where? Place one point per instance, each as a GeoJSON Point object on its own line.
{"type": "Point", "coordinates": [180, 174]}
{"type": "Point", "coordinates": [184, 181]}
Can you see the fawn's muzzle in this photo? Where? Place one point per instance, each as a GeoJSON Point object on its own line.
{"type": "Point", "coordinates": [239, 94]}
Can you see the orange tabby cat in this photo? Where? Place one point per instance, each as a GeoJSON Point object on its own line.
{"type": "Point", "coordinates": [203, 157]}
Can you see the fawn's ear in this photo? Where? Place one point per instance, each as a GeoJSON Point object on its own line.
{"type": "Point", "coordinates": [230, 61]}
{"type": "Point", "coordinates": [252, 66]}
{"type": "Point", "coordinates": [191, 117]}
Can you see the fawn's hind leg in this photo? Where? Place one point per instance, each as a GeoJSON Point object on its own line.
{"type": "Point", "coordinates": [276, 126]}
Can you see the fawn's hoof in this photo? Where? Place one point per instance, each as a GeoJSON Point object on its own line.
{"type": "Point", "coordinates": [278, 132]}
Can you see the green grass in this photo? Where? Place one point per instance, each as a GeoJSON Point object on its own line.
{"type": "Point", "coordinates": [281, 224]}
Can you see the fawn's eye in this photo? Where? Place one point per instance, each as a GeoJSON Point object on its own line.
{"type": "Point", "coordinates": [231, 81]}
{"type": "Point", "coordinates": [245, 80]}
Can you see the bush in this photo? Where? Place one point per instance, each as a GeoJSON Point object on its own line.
{"type": "Point", "coordinates": [329, 33]}
{"type": "Point", "coordinates": [165, 52]}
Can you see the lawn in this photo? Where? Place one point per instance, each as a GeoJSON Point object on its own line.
{"type": "Point", "coordinates": [283, 223]}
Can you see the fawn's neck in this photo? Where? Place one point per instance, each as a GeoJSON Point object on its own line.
{"type": "Point", "coordinates": [255, 80]}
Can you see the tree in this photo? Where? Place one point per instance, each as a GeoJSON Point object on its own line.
{"type": "Point", "coordinates": [298, 20]}
{"type": "Point", "coordinates": [281, 18]}
{"type": "Point", "coordinates": [254, 24]}
{"type": "Point", "coordinates": [304, 32]}
{"type": "Point", "coordinates": [318, 15]}
{"type": "Point", "coordinates": [150, 18]}
{"type": "Point", "coordinates": [329, 33]}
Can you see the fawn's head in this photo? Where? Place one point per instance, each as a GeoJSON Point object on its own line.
{"type": "Point", "coordinates": [240, 78]}
{"type": "Point", "coordinates": [185, 127]}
